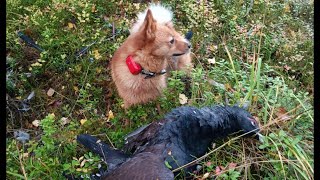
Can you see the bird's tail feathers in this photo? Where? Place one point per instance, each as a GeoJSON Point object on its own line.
{"type": "Point", "coordinates": [111, 156]}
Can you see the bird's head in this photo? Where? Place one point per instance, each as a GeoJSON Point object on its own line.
{"type": "Point", "coordinates": [247, 123]}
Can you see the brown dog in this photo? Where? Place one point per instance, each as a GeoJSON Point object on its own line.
{"type": "Point", "coordinates": [138, 66]}
{"type": "Point", "coordinates": [164, 16]}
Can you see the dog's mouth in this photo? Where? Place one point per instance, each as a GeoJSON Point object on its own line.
{"type": "Point", "coordinates": [178, 54]}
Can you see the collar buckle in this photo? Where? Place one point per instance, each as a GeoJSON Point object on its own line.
{"type": "Point", "coordinates": [150, 74]}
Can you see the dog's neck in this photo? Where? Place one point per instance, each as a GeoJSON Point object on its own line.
{"type": "Point", "coordinates": [150, 62]}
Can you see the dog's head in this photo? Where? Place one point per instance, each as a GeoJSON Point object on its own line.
{"type": "Point", "coordinates": [161, 40]}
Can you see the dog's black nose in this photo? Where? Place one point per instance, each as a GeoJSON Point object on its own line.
{"type": "Point", "coordinates": [189, 35]}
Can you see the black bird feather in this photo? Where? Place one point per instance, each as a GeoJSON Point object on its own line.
{"type": "Point", "coordinates": [29, 41]}
{"type": "Point", "coordinates": [185, 133]}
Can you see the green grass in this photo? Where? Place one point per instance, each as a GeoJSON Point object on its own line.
{"type": "Point", "coordinates": [263, 56]}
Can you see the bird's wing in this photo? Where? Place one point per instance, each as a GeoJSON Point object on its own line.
{"type": "Point", "coordinates": [137, 131]}
{"type": "Point", "coordinates": [143, 166]}
{"type": "Point", "coordinates": [111, 156]}
{"type": "Point", "coordinates": [142, 136]}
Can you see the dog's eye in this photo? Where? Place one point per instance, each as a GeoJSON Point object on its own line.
{"type": "Point", "coordinates": [171, 41]}
{"type": "Point", "coordinates": [253, 123]}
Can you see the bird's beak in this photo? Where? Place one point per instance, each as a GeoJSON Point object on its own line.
{"type": "Point", "coordinates": [260, 136]}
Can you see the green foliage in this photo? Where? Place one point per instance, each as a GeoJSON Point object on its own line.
{"type": "Point", "coordinates": [44, 160]}
{"type": "Point", "coordinates": [82, 165]}
{"type": "Point", "coordinates": [167, 164]}
{"type": "Point", "coordinates": [292, 162]}
{"type": "Point", "coordinates": [137, 113]}
{"type": "Point", "coordinates": [171, 94]}
{"type": "Point", "coordinates": [230, 175]}
{"type": "Point", "coordinates": [49, 157]}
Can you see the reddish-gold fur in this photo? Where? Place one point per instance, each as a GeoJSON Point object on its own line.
{"type": "Point", "coordinates": [151, 48]}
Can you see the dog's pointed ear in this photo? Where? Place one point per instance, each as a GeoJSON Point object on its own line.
{"type": "Point", "coordinates": [149, 26]}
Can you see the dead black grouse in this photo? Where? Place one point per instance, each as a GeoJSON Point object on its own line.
{"type": "Point", "coordinates": [185, 133]}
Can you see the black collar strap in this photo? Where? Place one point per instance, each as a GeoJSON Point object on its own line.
{"type": "Point", "coordinates": [150, 74]}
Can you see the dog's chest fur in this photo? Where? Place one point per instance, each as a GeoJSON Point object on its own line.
{"type": "Point", "coordinates": [135, 89]}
